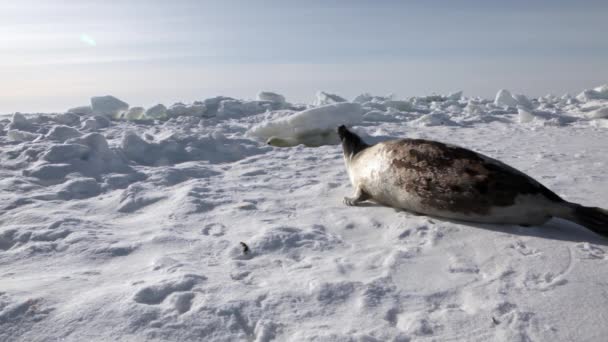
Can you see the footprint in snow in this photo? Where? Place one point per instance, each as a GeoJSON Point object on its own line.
{"type": "Point", "coordinates": [523, 249]}
{"type": "Point", "coordinates": [214, 229]}
{"type": "Point", "coordinates": [590, 251]}
{"type": "Point", "coordinates": [156, 294]}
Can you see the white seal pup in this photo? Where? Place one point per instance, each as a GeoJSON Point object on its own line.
{"type": "Point", "coordinates": [437, 179]}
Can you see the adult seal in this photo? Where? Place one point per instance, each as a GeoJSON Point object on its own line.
{"type": "Point", "coordinates": [441, 180]}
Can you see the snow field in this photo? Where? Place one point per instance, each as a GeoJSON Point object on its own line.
{"type": "Point", "coordinates": [128, 227]}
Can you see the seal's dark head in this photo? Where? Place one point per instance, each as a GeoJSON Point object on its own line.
{"type": "Point", "coordinates": [351, 143]}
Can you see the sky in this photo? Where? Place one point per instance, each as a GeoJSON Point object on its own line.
{"type": "Point", "coordinates": [56, 54]}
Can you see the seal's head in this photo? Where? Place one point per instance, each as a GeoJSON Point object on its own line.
{"type": "Point", "coordinates": [351, 143]}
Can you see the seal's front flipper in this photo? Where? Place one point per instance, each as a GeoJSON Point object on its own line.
{"type": "Point", "coordinates": [359, 197]}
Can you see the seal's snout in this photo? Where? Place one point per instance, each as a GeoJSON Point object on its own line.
{"type": "Point", "coordinates": [351, 143]}
{"type": "Point", "coordinates": [342, 132]}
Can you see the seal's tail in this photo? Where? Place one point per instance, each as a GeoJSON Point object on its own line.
{"type": "Point", "coordinates": [595, 219]}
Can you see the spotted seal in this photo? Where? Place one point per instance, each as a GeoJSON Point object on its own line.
{"type": "Point", "coordinates": [436, 179]}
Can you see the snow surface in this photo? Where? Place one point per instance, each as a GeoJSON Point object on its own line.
{"type": "Point", "coordinates": [130, 229]}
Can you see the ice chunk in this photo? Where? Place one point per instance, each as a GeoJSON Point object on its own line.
{"type": "Point", "coordinates": [523, 101]}
{"type": "Point", "coordinates": [365, 97]}
{"type": "Point", "coordinates": [17, 135]}
{"type": "Point", "coordinates": [135, 148]}
{"type": "Point", "coordinates": [505, 99]}
{"type": "Point", "coordinates": [20, 122]}
{"type": "Point", "coordinates": [49, 171]}
{"type": "Point", "coordinates": [403, 106]}
{"type": "Point", "coordinates": [237, 109]}
{"type": "Point", "coordinates": [599, 93]}
{"type": "Point", "coordinates": [544, 118]}
{"type": "Point", "coordinates": [524, 116]}
{"type": "Point", "coordinates": [79, 188]}
{"type": "Point", "coordinates": [271, 97]}
{"type": "Point", "coordinates": [62, 133]}
{"type": "Point", "coordinates": [455, 96]}
{"type": "Point", "coordinates": [108, 106]}
{"type": "Point", "coordinates": [315, 124]}
{"type": "Point", "coordinates": [135, 113]}
{"type": "Point", "coordinates": [69, 119]}
{"type": "Point", "coordinates": [65, 152]}
{"type": "Point", "coordinates": [179, 109]}
{"type": "Point", "coordinates": [324, 98]}
{"type": "Point", "coordinates": [157, 112]}
{"type": "Point", "coordinates": [600, 113]}
{"type": "Point", "coordinates": [95, 123]}
{"type": "Point", "coordinates": [81, 110]}
{"type": "Point", "coordinates": [213, 104]}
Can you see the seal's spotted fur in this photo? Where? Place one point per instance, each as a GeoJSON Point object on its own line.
{"type": "Point", "coordinates": [442, 180]}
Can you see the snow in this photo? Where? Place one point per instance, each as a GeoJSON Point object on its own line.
{"type": "Point", "coordinates": [129, 227]}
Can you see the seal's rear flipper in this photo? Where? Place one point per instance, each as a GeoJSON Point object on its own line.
{"type": "Point", "coordinates": [595, 219]}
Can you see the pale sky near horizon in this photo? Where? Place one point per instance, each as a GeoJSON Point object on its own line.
{"type": "Point", "coordinates": [57, 54]}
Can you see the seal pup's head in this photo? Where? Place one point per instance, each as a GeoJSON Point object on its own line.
{"type": "Point", "coordinates": [351, 143]}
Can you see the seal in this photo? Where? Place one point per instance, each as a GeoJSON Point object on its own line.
{"type": "Point", "coordinates": [436, 179]}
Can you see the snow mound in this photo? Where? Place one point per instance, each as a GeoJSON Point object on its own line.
{"type": "Point", "coordinates": [315, 126]}
{"type": "Point", "coordinates": [156, 294]}
{"type": "Point", "coordinates": [179, 148]}
{"type": "Point", "coordinates": [88, 156]}
{"type": "Point", "coordinates": [288, 240]}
